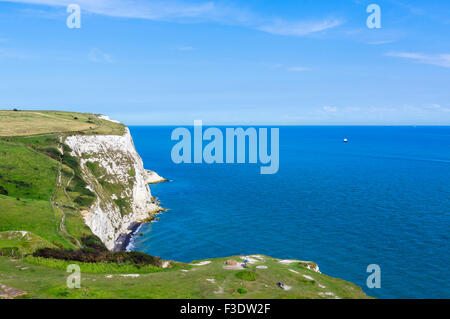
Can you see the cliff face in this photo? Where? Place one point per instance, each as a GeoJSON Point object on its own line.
{"type": "Point", "coordinates": [114, 171]}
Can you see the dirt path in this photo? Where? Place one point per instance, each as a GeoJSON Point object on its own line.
{"type": "Point", "coordinates": [62, 225]}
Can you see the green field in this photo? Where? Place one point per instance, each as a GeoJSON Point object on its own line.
{"type": "Point", "coordinates": [24, 123]}
{"type": "Point", "coordinates": [194, 282]}
{"type": "Point", "coordinates": [25, 172]}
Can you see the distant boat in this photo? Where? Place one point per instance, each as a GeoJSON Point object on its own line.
{"type": "Point", "coordinates": [345, 140]}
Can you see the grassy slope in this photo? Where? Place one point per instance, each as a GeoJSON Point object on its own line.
{"type": "Point", "coordinates": [175, 283]}
{"type": "Point", "coordinates": [29, 166]}
{"type": "Point", "coordinates": [26, 173]}
{"type": "Point", "coordinates": [27, 242]}
{"type": "Point", "coordinates": [35, 216]}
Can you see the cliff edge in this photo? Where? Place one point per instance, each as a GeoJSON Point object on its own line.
{"type": "Point", "coordinates": [114, 171]}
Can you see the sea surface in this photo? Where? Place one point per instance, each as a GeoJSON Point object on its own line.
{"type": "Point", "coordinates": [383, 198]}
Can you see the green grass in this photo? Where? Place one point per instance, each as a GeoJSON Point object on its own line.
{"type": "Point", "coordinates": [25, 243]}
{"type": "Point", "coordinates": [247, 275]}
{"type": "Point", "coordinates": [98, 268]}
{"type": "Point", "coordinates": [242, 291]}
{"type": "Point", "coordinates": [29, 180]}
{"type": "Point", "coordinates": [99, 282]}
{"type": "Point", "coordinates": [36, 216]}
{"type": "Point", "coordinates": [24, 123]}
{"type": "Point", "coordinates": [26, 173]}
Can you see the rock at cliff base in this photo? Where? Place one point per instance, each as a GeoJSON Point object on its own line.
{"type": "Point", "coordinates": [153, 178]}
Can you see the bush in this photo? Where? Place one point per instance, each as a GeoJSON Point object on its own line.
{"type": "Point", "coordinates": [99, 255]}
{"type": "Point", "coordinates": [98, 268]}
{"type": "Point", "coordinates": [3, 191]}
{"type": "Point", "coordinates": [123, 205]}
{"type": "Point", "coordinates": [242, 291]}
{"type": "Point", "coordinates": [51, 152]}
{"type": "Point", "coordinates": [247, 275]}
{"type": "Point", "coordinates": [70, 161]}
{"type": "Point", "coordinates": [66, 148]}
{"type": "Point", "coordinates": [84, 201]}
{"type": "Point", "coordinates": [93, 167]}
{"type": "Point", "coordinates": [94, 242]}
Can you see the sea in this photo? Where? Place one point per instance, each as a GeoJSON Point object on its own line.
{"type": "Point", "coordinates": [382, 198]}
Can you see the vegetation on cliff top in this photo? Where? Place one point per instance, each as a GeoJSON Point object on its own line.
{"type": "Point", "coordinates": [25, 123]}
{"type": "Point", "coordinates": [182, 281]}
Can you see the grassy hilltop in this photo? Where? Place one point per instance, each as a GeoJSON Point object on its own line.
{"type": "Point", "coordinates": [26, 123]}
{"type": "Point", "coordinates": [41, 189]}
{"type": "Point", "coordinates": [42, 195]}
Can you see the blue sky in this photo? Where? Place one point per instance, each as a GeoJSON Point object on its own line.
{"type": "Point", "coordinates": [302, 62]}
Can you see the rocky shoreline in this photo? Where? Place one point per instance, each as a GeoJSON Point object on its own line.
{"type": "Point", "coordinates": [124, 239]}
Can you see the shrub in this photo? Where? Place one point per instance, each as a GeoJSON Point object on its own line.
{"type": "Point", "coordinates": [242, 291]}
{"type": "Point", "coordinates": [79, 186]}
{"type": "Point", "coordinates": [123, 205]}
{"type": "Point", "coordinates": [66, 148]}
{"type": "Point", "coordinates": [99, 255]}
{"type": "Point", "coordinates": [99, 268]}
{"type": "Point", "coordinates": [51, 152]}
{"type": "Point", "coordinates": [84, 201]}
{"type": "Point", "coordinates": [3, 191]}
{"type": "Point", "coordinates": [93, 166]}
{"type": "Point", "coordinates": [70, 161]}
{"type": "Point", "coordinates": [94, 242]}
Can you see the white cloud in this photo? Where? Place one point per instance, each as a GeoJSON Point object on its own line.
{"type": "Point", "coordinates": [298, 69]}
{"type": "Point", "coordinates": [352, 109]}
{"type": "Point", "coordinates": [96, 55]}
{"type": "Point", "coordinates": [437, 107]}
{"type": "Point", "coordinates": [281, 27]}
{"type": "Point", "coordinates": [433, 106]}
{"type": "Point", "coordinates": [187, 48]}
{"type": "Point", "coordinates": [330, 109]}
{"type": "Point", "coordinates": [442, 60]}
{"type": "Point", "coordinates": [155, 10]}
{"type": "Point", "coordinates": [182, 11]}
{"type": "Point", "coordinates": [381, 42]}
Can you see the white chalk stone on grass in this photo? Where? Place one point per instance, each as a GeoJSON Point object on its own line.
{"type": "Point", "coordinates": [131, 275]}
{"type": "Point", "coordinates": [202, 263]}
{"type": "Point", "coordinates": [261, 267]}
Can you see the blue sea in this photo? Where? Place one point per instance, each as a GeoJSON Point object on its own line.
{"type": "Point", "coordinates": [383, 198]}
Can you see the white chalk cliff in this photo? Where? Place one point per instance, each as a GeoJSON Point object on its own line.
{"type": "Point", "coordinates": [117, 176]}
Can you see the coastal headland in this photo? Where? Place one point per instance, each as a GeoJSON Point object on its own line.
{"type": "Point", "coordinates": [73, 190]}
